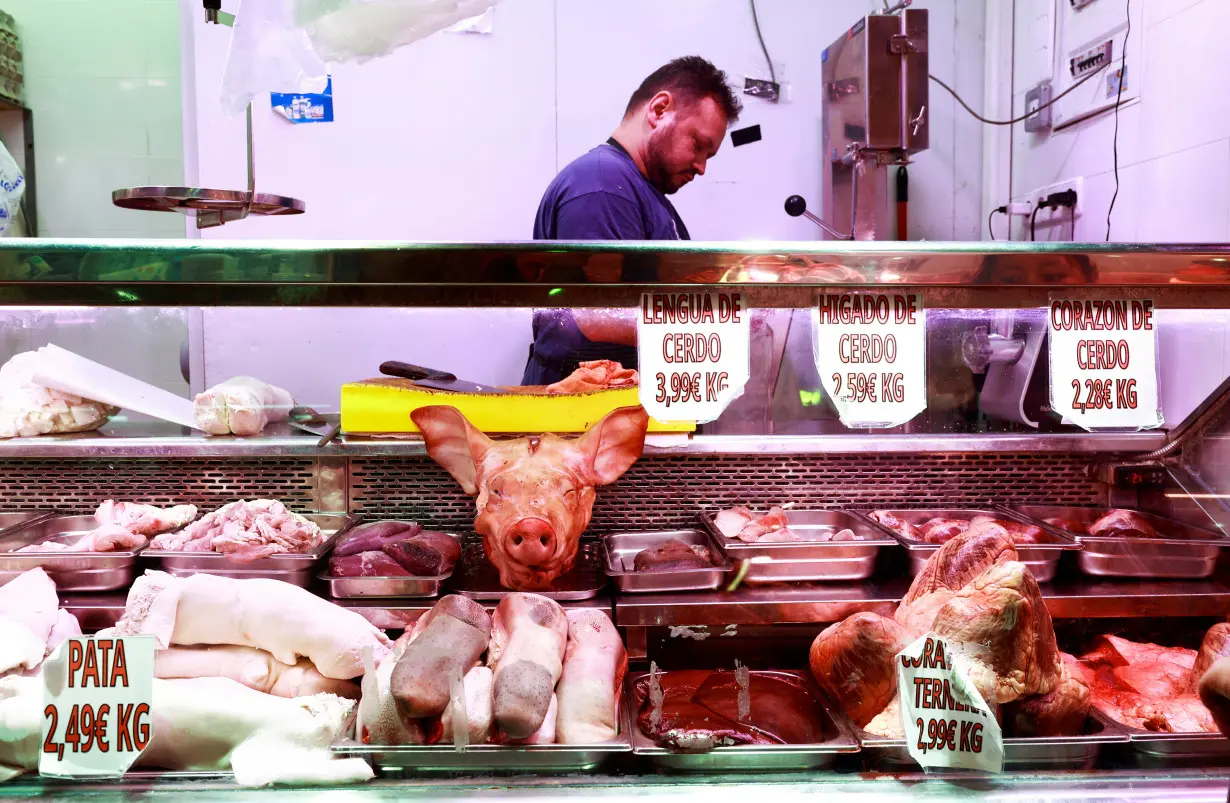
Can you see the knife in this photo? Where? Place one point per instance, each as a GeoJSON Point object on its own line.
{"type": "Point", "coordinates": [323, 426]}
{"type": "Point", "coordinates": [431, 378]}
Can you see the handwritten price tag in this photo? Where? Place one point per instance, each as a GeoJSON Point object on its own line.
{"type": "Point", "coordinates": [693, 350]}
{"type": "Point", "coordinates": [871, 352]}
{"type": "Point", "coordinates": [96, 715]}
{"type": "Point", "coordinates": [947, 722]}
{"type": "Point", "coordinates": [1104, 363]}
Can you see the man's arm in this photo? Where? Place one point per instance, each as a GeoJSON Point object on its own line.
{"type": "Point", "coordinates": [602, 216]}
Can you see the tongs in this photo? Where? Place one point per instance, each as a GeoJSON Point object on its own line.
{"type": "Point", "coordinates": [312, 422]}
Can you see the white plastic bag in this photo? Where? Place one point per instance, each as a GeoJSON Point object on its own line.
{"type": "Point", "coordinates": [269, 52]}
{"type": "Point", "coordinates": [12, 187]}
{"type": "Point", "coordinates": [358, 30]}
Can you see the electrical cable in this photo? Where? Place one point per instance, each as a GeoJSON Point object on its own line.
{"type": "Point", "coordinates": [991, 217]}
{"type": "Point", "coordinates": [1028, 114]}
{"type": "Point", "coordinates": [763, 48]}
{"type": "Point", "coordinates": [1118, 102]}
{"type": "Point", "coordinates": [1033, 218]}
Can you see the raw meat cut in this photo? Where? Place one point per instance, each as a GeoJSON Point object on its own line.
{"type": "Point", "coordinates": [366, 564]}
{"type": "Point", "coordinates": [595, 663]}
{"type": "Point", "coordinates": [1145, 686]}
{"type": "Point", "coordinates": [378, 720]}
{"type": "Point", "coordinates": [27, 409]}
{"type": "Point", "coordinates": [940, 530]}
{"type": "Point", "coordinates": [897, 524]}
{"type": "Point", "coordinates": [700, 710]}
{"type": "Point", "coordinates": [29, 612]}
{"type": "Point", "coordinates": [1003, 626]}
{"type": "Point", "coordinates": [528, 636]}
{"type": "Point", "coordinates": [205, 724]}
{"type": "Point", "coordinates": [241, 406]}
{"type": "Point", "coordinates": [1214, 691]}
{"type": "Point", "coordinates": [372, 536]}
{"type": "Point", "coordinates": [854, 662]}
{"type": "Point", "coordinates": [256, 669]}
{"type": "Point", "coordinates": [887, 723]}
{"type": "Point", "coordinates": [280, 618]}
{"type": "Point", "coordinates": [672, 556]}
{"type": "Point", "coordinates": [1123, 524]}
{"type": "Point", "coordinates": [730, 522]}
{"type": "Point", "coordinates": [146, 520]}
{"type": "Point", "coordinates": [595, 375]}
{"type": "Point", "coordinates": [1060, 712]}
{"type": "Point", "coordinates": [535, 495]}
{"type": "Point", "coordinates": [448, 639]}
{"type": "Point", "coordinates": [428, 554]}
{"type": "Point", "coordinates": [479, 716]}
{"type": "Point", "coordinates": [1216, 644]}
{"type": "Point", "coordinates": [246, 531]}
{"type": "Point", "coordinates": [1074, 526]}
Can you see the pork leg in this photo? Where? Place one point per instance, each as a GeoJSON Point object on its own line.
{"type": "Point", "coordinates": [453, 637]}
{"type": "Point", "coordinates": [595, 663]}
{"type": "Point", "coordinates": [528, 636]}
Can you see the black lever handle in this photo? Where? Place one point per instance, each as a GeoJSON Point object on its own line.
{"type": "Point", "coordinates": [405, 370]}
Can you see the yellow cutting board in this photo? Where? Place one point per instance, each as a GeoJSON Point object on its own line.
{"type": "Point", "coordinates": [383, 406]}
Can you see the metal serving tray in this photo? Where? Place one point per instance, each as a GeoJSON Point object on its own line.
{"type": "Point", "coordinates": [11, 522]}
{"type": "Point", "coordinates": [1189, 553]}
{"type": "Point", "coordinates": [807, 561]}
{"type": "Point", "coordinates": [743, 758]}
{"type": "Point", "coordinates": [1021, 753]}
{"type": "Point", "coordinates": [291, 567]}
{"type": "Point", "coordinates": [385, 587]}
{"type": "Point", "coordinates": [1152, 750]}
{"type": "Point", "coordinates": [621, 550]}
{"type": "Point", "coordinates": [71, 571]}
{"type": "Point", "coordinates": [476, 578]}
{"type": "Point", "coordinates": [397, 760]}
{"type": "Point", "coordinates": [1042, 559]}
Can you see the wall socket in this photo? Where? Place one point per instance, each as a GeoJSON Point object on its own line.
{"type": "Point", "coordinates": [1059, 224]}
{"type": "Point", "coordinates": [1035, 99]}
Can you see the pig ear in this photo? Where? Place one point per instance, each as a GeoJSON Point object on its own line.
{"type": "Point", "coordinates": [613, 444]}
{"type": "Point", "coordinates": [453, 442]}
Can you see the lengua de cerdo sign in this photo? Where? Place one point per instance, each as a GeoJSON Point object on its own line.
{"type": "Point", "coordinates": [693, 353]}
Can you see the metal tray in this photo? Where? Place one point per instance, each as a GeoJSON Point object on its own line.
{"type": "Point", "coordinates": [11, 522]}
{"type": "Point", "coordinates": [1042, 559]}
{"type": "Point", "coordinates": [291, 567]}
{"type": "Point", "coordinates": [1191, 553]}
{"type": "Point", "coordinates": [743, 758]}
{"type": "Point", "coordinates": [476, 578]}
{"type": "Point", "coordinates": [621, 550]}
{"type": "Point", "coordinates": [1152, 750]}
{"type": "Point", "coordinates": [398, 760]}
{"type": "Point", "coordinates": [71, 571]}
{"type": "Point", "coordinates": [386, 587]}
{"type": "Point", "coordinates": [808, 561]}
{"type": "Point", "coordinates": [1021, 753]}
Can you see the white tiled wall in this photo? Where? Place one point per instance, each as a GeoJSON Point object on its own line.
{"type": "Point", "coordinates": [1174, 145]}
{"type": "Point", "coordinates": [103, 80]}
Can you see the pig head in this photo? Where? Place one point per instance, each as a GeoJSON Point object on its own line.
{"type": "Point", "coordinates": [535, 495]}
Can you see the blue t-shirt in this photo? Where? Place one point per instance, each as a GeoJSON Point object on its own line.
{"type": "Point", "coordinates": [599, 196]}
{"type": "Point", "coordinates": [602, 196]}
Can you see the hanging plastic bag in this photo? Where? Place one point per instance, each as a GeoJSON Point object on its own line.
{"type": "Point", "coordinates": [12, 188]}
{"type": "Point", "coordinates": [359, 30]}
{"type": "Point", "coordinates": [269, 52]}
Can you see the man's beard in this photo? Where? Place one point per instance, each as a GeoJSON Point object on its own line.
{"type": "Point", "coordinates": [655, 159]}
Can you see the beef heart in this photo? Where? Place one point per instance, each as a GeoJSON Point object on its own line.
{"type": "Point", "coordinates": [534, 495]}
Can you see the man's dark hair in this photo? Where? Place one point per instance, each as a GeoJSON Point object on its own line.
{"type": "Point", "coordinates": [690, 78]}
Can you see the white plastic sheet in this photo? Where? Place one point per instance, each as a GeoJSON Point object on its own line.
{"type": "Point", "coordinates": [12, 187]}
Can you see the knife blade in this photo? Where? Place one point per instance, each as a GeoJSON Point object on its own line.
{"type": "Point", "coordinates": [326, 427]}
{"type": "Point", "coordinates": [431, 378]}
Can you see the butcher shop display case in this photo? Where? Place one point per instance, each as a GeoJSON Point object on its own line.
{"type": "Point", "coordinates": [615, 519]}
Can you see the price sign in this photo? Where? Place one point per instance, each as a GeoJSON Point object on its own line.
{"type": "Point", "coordinates": [947, 722]}
{"type": "Point", "coordinates": [96, 715]}
{"type": "Point", "coordinates": [871, 352]}
{"type": "Point", "coordinates": [1104, 363]}
{"type": "Point", "coordinates": [693, 352]}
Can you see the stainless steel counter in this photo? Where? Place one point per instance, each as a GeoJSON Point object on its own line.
{"type": "Point", "coordinates": [1175, 786]}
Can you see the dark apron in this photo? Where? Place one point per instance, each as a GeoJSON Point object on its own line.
{"type": "Point", "coordinates": [559, 347]}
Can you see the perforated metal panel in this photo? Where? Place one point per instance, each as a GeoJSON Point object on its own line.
{"type": "Point", "coordinates": [79, 486]}
{"type": "Point", "coordinates": [668, 491]}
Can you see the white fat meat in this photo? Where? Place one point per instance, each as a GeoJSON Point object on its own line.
{"type": "Point", "coordinates": [241, 406]}
{"type": "Point", "coordinates": [254, 668]}
{"type": "Point", "coordinates": [246, 531]}
{"type": "Point", "coordinates": [283, 619]}
{"type": "Point", "coordinates": [27, 409]}
{"type": "Point", "coordinates": [595, 663]}
{"type": "Point", "coordinates": [29, 612]}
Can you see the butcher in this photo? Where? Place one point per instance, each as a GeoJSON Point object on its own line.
{"type": "Point", "coordinates": [673, 125]}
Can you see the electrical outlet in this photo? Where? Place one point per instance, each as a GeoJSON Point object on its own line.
{"type": "Point", "coordinates": [1039, 118]}
{"type": "Point", "coordinates": [1112, 81]}
{"type": "Point", "coordinates": [1057, 224]}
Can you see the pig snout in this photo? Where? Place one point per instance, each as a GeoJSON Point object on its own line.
{"type": "Point", "coordinates": [530, 542]}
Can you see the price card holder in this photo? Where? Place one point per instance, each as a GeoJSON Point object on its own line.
{"type": "Point", "coordinates": [96, 706]}
{"type": "Point", "coordinates": [871, 353]}
{"type": "Point", "coordinates": [947, 722]}
{"type": "Point", "coordinates": [1104, 367]}
{"type": "Point", "coordinates": [693, 353]}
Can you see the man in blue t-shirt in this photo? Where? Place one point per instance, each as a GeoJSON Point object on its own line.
{"type": "Point", "coordinates": [674, 123]}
